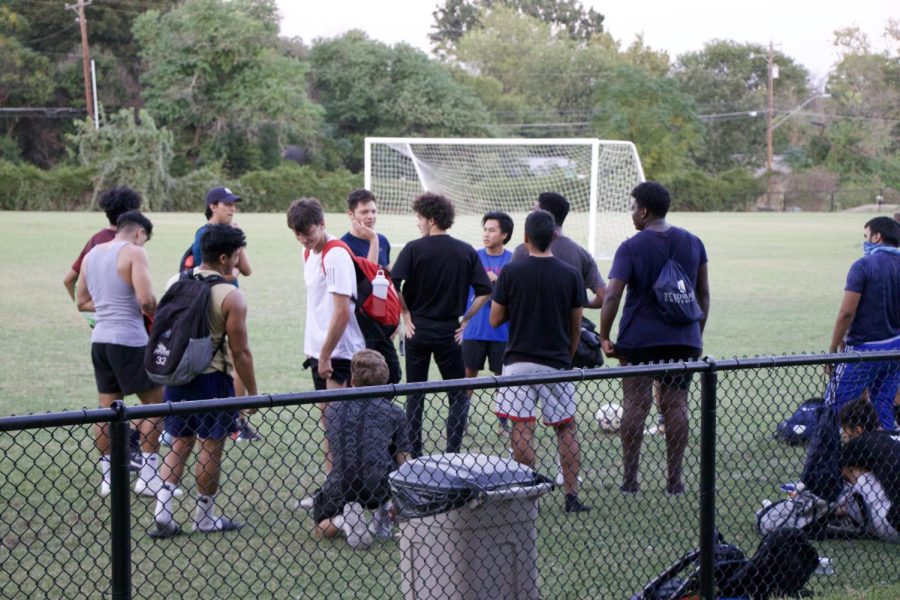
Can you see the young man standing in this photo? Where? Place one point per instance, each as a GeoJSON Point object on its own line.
{"type": "Point", "coordinates": [370, 439]}
{"type": "Point", "coordinates": [434, 274]}
{"type": "Point", "coordinates": [332, 334]}
{"type": "Point", "coordinates": [542, 298]}
{"type": "Point", "coordinates": [115, 283]}
{"type": "Point", "coordinates": [869, 320]}
{"type": "Point", "coordinates": [480, 340]}
{"type": "Point", "coordinates": [366, 243]}
{"type": "Point", "coordinates": [221, 246]}
{"type": "Point", "coordinates": [646, 336]}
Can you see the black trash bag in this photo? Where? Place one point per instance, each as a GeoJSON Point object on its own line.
{"type": "Point", "coordinates": [442, 482]}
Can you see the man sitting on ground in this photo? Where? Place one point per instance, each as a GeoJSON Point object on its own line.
{"type": "Point", "coordinates": [369, 439]}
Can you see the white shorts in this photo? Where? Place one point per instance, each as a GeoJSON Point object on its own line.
{"type": "Point", "coordinates": [519, 403]}
{"type": "Point", "coordinates": [877, 504]}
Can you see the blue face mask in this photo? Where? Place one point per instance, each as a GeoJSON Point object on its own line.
{"type": "Point", "coordinates": [869, 247]}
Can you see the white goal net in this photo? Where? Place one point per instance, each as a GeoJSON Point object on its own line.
{"type": "Point", "coordinates": [480, 175]}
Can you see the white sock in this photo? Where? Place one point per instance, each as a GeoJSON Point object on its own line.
{"type": "Point", "coordinates": [206, 510]}
{"type": "Point", "coordinates": [148, 469]}
{"type": "Point", "coordinates": [163, 513]}
{"type": "Point", "coordinates": [105, 468]}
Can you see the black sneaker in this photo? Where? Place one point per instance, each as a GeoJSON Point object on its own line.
{"type": "Point", "coordinates": [161, 532]}
{"type": "Point", "coordinates": [246, 433]}
{"type": "Point", "coordinates": [574, 505]}
{"type": "Point", "coordinates": [216, 525]}
{"type": "Point", "coordinates": [134, 443]}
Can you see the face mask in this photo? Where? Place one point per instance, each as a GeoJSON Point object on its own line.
{"type": "Point", "coordinates": [869, 247]}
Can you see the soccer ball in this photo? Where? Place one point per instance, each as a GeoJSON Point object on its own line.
{"type": "Point", "coordinates": [609, 417]}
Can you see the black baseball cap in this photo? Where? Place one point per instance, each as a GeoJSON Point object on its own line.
{"type": "Point", "coordinates": [221, 194]}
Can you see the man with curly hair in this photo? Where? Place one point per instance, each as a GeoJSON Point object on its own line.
{"type": "Point", "coordinates": [434, 274]}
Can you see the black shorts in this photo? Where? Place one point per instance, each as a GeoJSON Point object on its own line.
{"type": "Point", "coordinates": [655, 354]}
{"type": "Point", "coordinates": [329, 501]}
{"type": "Point", "coordinates": [340, 373]}
{"type": "Point", "coordinates": [475, 351]}
{"type": "Point", "coordinates": [120, 369]}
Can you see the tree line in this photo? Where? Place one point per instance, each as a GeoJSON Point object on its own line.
{"type": "Point", "coordinates": [209, 90]}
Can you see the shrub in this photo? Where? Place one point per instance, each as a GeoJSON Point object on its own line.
{"type": "Point", "coordinates": [26, 187]}
{"type": "Point", "coordinates": [696, 191]}
{"type": "Point", "coordinates": [273, 191]}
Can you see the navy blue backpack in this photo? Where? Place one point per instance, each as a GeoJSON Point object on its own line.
{"type": "Point", "coordinates": [798, 429]}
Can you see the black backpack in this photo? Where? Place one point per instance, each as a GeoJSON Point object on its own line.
{"type": "Point", "coordinates": [798, 429]}
{"type": "Point", "coordinates": [589, 353]}
{"type": "Point", "coordinates": [180, 346]}
{"type": "Point", "coordinates": [674, 293]}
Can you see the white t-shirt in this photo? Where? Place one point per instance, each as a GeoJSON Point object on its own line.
{"type": "Point", "coordinates": [338, 277]}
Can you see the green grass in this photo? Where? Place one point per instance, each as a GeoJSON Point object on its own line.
{"type": "Point", "coordinates": [776, 283]}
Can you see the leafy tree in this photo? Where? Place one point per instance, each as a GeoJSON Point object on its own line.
{"type": "Point", "coordinates": [369, 88]}
{"type": "Point", "coordinates": [215, 69]}
{"type": "Point", "coordinates": [456, 18]}
{"type": "Point", "coordinates": [729, 81]}
{"type": "Point", "coordinates": [653, 113]}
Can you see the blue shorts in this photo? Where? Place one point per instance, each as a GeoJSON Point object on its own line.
{"type": "Point", "coordinates": [206, 426]}
{"type": "Point", "coordinates": [880, 378]}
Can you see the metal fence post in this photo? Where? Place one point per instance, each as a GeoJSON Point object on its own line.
{"type": "Point", "coordinates": [120, 504]}
{"type": "Point", "coordinates": [709, 383]}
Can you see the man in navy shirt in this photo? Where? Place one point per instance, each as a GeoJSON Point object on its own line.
{"type": "Point", "coordinates": [646, 336]}
{"type": "Point", "coordinates": [366, 243]}
{"type": "Point", "coordinates": [869, 320]}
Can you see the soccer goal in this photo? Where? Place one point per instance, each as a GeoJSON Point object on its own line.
{"type": "Point", "coordinates": [481, 175]}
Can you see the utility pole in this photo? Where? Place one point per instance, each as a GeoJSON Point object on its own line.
{"type": "Point", "coordinates": [85, 54]}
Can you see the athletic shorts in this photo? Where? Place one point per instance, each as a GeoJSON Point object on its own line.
{"type": "Point", "coordinates": [340, 373]}
{"type": "Point", "coordinates": [880, 378]}
{"type": "Point", "coordinates": [329, 501]}
{"type": "Point", "coordinates": [120, 369]}
{"type": "Point", "coordinates": [656, 354]}
{"type": "Point", "coordinates": [209, 425]}
{"type": "Point", "coordinates": [519, 403]}
{"type": "Point", "coordinates": [475, 351]}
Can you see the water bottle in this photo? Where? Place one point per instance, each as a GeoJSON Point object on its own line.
{"type": "Point", "coordinates": [379, 294]}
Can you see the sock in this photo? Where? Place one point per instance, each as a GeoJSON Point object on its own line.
{"type": "Point", "coordinates": [148, 469]}
{"type": "Point", "coordinates": [206, 508]}
{"type": "Point", "coordinates": [105, 468]}
{"type": "Point", "coordinates": [163, 513]}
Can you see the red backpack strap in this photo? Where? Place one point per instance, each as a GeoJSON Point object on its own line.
{"type": "Point", "coordinates": [336, 244]}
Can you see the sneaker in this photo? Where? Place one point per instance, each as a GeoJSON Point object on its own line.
{"type": "Point", "coordinates": [152, 487]}
{"type": "Point", "coordinates": [630, 488]}
{"type": "Point", "coordinates": [574, 505]}
{"type": "Point", "coordinates": [217, 524]}
{"type": "Point", "coordinates": [355, 527]}
{"type": "Point", "coordinates": [104, 489]}
{"type": "Point", "coordinates": [164, 531]}
{"type": "Point", "coordinates": [675, 489]}
{"type": "Point", "coordinates": [303, 504]}
{"type": "Point", "coordinates": [137, 461]}
{"type": "Point", "coordinates": [382, 524]}
{"type": "Point", "coordinates": [246, 432]}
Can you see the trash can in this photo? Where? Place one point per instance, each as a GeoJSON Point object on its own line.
{"type": "Point", "coordinates": [467, 527]}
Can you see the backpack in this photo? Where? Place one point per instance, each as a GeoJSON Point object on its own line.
{"type": "Point", "coordinates": [799, 428]}
{"type": "Point", "coordinates": [180, 345]}
{"type": "Point", "coordinates": [187, 260]}
{"type": "Point", "coordinates": [589, 353]}
{"type": "Point", "coordinates": [674, 293]}
{"type": "Point", "coordinates": [366, 271]}
{"type": "Point", "coordinates": [810, 514]}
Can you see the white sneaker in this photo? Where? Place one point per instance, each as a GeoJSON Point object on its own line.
{"type": "Point", "coordinates": [104, 489]}
{"type": "Point", "coordinates": [382, 525]}
{"type": "Point", "coordinates": [152, 486]}
{"type": "Point", "coordinates": [355, 527]}
{"type": "Point", "coordinates": [302, 504]}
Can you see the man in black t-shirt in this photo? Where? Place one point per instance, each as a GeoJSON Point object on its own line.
{"type": "Point", "coordinates": [870, 462]}
{"type": "Point", "coordinates": [434, 274]}
{"type": "Point", "coordinates": [542, 298]}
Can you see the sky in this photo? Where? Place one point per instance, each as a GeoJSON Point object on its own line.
{"type": "Point", "coordinates": [801, 29]}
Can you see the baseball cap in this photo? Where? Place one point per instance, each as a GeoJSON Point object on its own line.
{"type": "Point", "coordinates": [221, 194]}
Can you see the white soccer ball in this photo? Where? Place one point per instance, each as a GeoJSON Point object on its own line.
{"type": "Point", "coordinates": [609, 417]}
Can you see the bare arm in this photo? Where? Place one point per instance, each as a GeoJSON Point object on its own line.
{"type": "Point", "coordinates": [574, 329]}
{"type": "Point", "coordinates": [234, 309]}
{"type": "Point", "coordinates": [499, 314]}
{"type": "Point", "coordinates": [401, 457]}
{"type": "Point", "coordinates": [703, 294]}
{"type": "Point", "coordinates": [360, 230]}
{"type": "Point", "coordinates": [243, 265]}
{"type": "Point", "coordinates": [611, 300]}
{"type": "Point", "coordinates": [140, 279]}
{"type": "Point", "coordinates": [82, 296]}
{"type": "Point", "coordinates": [340, 317]}
{"type": "Point", "coordinates": [69, 282]}
{"type": "Point", "coordinates": [597, 300]}
{"type": "Point", "coordinates": [477, 303]}
{"type": "Point", "coordinates": [846, 313]}
{"type": "Point", "coordinates": [407, 317]}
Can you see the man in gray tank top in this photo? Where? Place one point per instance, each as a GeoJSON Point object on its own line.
{"type": "Point", "coordinates": [115, 283]}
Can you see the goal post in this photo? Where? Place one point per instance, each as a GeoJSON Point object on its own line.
{"type": "Point", "coordinates": [485, 174]}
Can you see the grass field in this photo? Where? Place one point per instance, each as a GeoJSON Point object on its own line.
{"type": "Point", "coordinates": [776, 283]}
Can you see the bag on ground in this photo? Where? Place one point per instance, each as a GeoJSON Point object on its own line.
{"type": "Point", "coordinates": [798, 429]}
{"type": "Point", "coordinates": [814, 516]}
{"type": "Point", "coordinates": [180, 345]}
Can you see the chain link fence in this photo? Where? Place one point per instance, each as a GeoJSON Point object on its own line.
{"type": "Point", "coordinates": [61, 539]}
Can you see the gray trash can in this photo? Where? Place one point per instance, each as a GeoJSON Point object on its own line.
{"type": "Point", "coordinates": [467, 527]}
